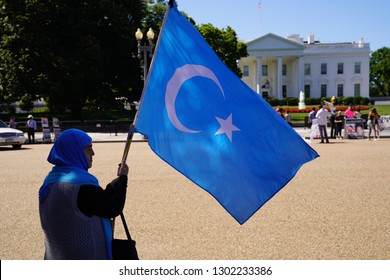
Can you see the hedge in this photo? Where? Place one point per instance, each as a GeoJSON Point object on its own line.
{"type": "Point", "coordinates": [292, 101]}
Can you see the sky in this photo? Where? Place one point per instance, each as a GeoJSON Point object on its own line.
{"type": "Point", "coordinates": [331, 21]}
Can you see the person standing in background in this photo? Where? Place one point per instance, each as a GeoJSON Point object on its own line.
{"type": "Point", "coordinates": [322, 116]}
{"type": "Point", "coordinates": [31, 127]}
{"type": "Point", "coordinates": [357, 114]}
{"type": "Point", "coordinates": [12, 122]}
{"type": "Point", "coordinates": [332, 125]}
{"type": "Point", "coordinates": [280, 112]}
{"type": "Point", "coordinates": [373, 124]}
{"type": "Point", "coordinates": [350, 112]}
{"type": "Point", "coordinates": [312, 116]}
{"type": "Point", "coordinates": [339, 124]}
{"type": "Point", "coordinates": [287, 117]}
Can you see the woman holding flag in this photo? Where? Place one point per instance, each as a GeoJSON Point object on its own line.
{"type": "Point", "coordinates": [74, 209]}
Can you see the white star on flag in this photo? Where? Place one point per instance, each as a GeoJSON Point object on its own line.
{"type": "Point", "coordinates": [227, 127]}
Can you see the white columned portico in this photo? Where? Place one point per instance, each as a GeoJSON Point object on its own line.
{"type": "Point", "coordinates": [273, 52]}
{"type": "Point", "coordinates": [259, 75]}
{"type": "Point", "coordinates": [300, 74]}
{"type": "Point", "coordinates": [279, 79]}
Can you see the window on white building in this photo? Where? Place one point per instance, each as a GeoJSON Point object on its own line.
{"type": "Point", "coordinates": [356, 90]}
{"type": "Point", "coordinates": [245, 71]}
{"type": "Point", "coordinates": [307, 69]}
{"type": "Point", "coordinates": [284, 70]}
{"type": "Point", "coordinates": [307, 91]}
{"type": "Point", "coordinates": [357, 68]}
{"type": "Point", "coordinates": [340, 68]}
{"type": "Point", "coordinates": [323, 90]}
{"type": "Point", "coordinates": [340, 90]}
{"type": "Point", "coordinates": [323, 68]}
{"type": "Point", "coordinates": [284, 91]}
{"type": "Point", "coordinates": [264, 70]}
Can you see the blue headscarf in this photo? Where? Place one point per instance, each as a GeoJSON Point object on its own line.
{"type": "Point", "coordinates": [68, 149]}
{"type": "Point", "coordinates": [71, 166]}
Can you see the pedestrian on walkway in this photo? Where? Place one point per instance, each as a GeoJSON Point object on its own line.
{"type": "Point", "coordinates": [373, 124]}
{"type": "Point", "coordinates": [312, 115]}
{"type": "Point", "coordinates": [350, 112]}
{"type": "Point", "coordinates": [322, 116]}
{"type": "Point", "coordinates": [357, 114]}
{"type": "Point", "coordinates": [31, 128]}
{"type": "Point", "coordinates": [332, 125]}
{"type": "Point", "coordinates": [12, 122]}
{"type": "Point", "coordinates": [287, 117]}
{"type": "Point", "coordinates": [280, 112]}
{"type": "Point", "coordinates": [339, 124]}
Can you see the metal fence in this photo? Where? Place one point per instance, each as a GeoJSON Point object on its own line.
{"type": "Point", "coordinates": [103, 126]}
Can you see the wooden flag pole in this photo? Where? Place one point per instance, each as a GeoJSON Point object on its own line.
{"type": "Point", "coordinates": [128, 142]}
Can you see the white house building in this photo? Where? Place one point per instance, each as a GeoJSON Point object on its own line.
{"type": "Point", "coordinates": [283, 67]}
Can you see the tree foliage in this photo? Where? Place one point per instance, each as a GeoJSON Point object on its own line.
{"type": "Point", "coordinates": [69, 52]}
{"type": "Point", "coordinates": [380, 72]}
{"type": "Point", "coordinates": [223, 41]}
{"type": "Point", "coordinates": [225, 44]}
{"type": "Point", "coordinates": [154, 16]}
{"type": "Point", "coordinates": [76, 53]}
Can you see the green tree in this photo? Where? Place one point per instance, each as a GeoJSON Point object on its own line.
{"type": "Point", "coordinates": [76, 53]}
{"type": "Point", "coordinates": [155, 11]}
{"type": "Point", "coordinates": [26, 104]}
{"type": "Point", "coordinates": [223, 41]}
{"type": "Point", "coordinates": [69, 52]}
{"type": "Point", "coordinates": [380, 72]}
{"type": "Point", "coordinates": [225, 44]}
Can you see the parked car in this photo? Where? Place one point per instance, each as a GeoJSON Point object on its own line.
{"type": "Point", "coordinates": [10, 136]}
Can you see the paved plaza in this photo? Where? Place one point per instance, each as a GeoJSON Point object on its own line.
{"type": "Point", "coordinates": [336, 207]}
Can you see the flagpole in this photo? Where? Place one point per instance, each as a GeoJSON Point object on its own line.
{"type": "Point", "coordinates": [261, 25]}
{"type": "Point", "coordinates": [130, 134]}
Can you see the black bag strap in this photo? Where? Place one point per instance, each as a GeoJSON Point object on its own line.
{"type": "Point", "coordinates": [125, 226]}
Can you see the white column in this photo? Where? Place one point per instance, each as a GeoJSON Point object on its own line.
{"type": "Point", "coordinates": [259, 75]}
{"type": "Point", "coordinates": [279, 80]}
{"type": "Point", "coordinates": [300, 75]}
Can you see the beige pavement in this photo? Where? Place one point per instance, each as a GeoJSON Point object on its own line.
{"type": "Point", "coordinates": [336, 207]}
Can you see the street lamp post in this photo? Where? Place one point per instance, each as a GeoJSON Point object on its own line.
{"type": "Point", "coordinates": [146, 48]}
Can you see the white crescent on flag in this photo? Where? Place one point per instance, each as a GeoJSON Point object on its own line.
{"type": "Point", "coordinates": [181, 75]}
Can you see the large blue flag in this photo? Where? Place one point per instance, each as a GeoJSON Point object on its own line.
{"type": "Point", "coordinates": [205, 122]}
